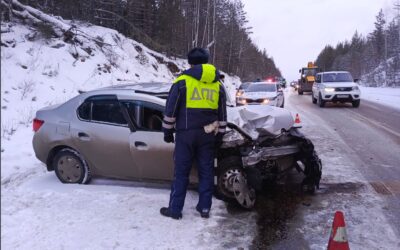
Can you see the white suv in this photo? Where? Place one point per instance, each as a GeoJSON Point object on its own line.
{"type": "Point", "coordinates": [335, 86]}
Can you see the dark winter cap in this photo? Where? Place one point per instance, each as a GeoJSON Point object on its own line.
{"type": "Point", "coordinates": [198, 56]}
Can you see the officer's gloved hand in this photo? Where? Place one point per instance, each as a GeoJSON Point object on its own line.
{"type": "Point", "coordinates": [169, 138]}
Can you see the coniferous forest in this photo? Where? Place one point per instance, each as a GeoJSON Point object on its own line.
{"type": "Point", "coordinates": [173, 27]}
{"type": "Point", "coordinates": [374, 58]}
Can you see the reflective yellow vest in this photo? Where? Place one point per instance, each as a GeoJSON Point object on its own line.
{"type": "Point", "coordinates": [203, 94]}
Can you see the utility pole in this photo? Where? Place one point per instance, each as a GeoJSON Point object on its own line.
{"type": "Point", "coordinates": [385, 63]}
{"type": "Point", "coordinates": [397, 7]}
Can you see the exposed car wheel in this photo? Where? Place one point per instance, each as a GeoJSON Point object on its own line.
{"type": "Point", "coordinates": [356, 103]}
{"type": "Point", "coordinates": [314, 100]}
{"type": "Point", "coordinates": [232, 183]}
{"type": "Point", "coordinates": [321, 102]}
{"type": "Point", "coordinates": [70, 167]}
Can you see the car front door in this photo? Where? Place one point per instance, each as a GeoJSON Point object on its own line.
{"type": "Point", "coordinates": [147, 147]}
{"type": "Point", "coordinates": [316, 86]}
{"type": "Point", "coordinates": [102, 137]}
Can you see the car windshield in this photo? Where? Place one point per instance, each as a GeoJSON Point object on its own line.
{"type": "Point", "coordinates": [268, 87]}
{"type": "Point", "coordinates": [337, 77]}
{"type": "Point", "coordinates": [309, 72]}
{"type": "Point", "coordinates": [244, 85]}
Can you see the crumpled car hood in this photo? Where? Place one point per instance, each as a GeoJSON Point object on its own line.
{"type": "Point", "coordinates": [259, 120]}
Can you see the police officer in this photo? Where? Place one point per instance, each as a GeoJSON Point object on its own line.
{"type": "Point", "coordinates": [196, 109]}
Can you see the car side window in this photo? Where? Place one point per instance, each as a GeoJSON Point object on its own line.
{"type": "Point", "coordinates": [146, 116]}
{"type": "Point", "coordinates": [108, 111]}
{"type": "Point", "coordinates": [84, 111]}
{"type": "Point", "coordinates": [318, 79]}
{"type": "Point", "coordinates": [105, 109]}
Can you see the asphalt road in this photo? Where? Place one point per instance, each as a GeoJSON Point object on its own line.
{"type": "Point", "coordinates": [372, 132]}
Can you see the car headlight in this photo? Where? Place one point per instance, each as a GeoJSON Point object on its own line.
{"type": "Point", "coordinates": [266, 101]}
{"type": "Point", "coordinates": [241, 101]}
{"type": "Point", "coordinates": [329, 89]}
{"type": "Point", "coordinates": [356, 88]}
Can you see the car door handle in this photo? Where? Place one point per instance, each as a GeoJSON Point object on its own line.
{"type": "Point", "coordinates": [140, 144]}
{"type": "Point", "coordinates": [83, 136]}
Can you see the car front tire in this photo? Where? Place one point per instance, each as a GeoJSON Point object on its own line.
{"type": "Point", "coordinates": [228, 168]}
{"type": "Point", "coordinates": [356, 103]}
{"type": "Point", "coordinates": [314, 100]}
{"type": "Point", "coordinates": [70, 167]}
{"type": "Point", "coordinates": [321, 103]}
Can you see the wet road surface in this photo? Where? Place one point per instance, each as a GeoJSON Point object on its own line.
{"type": "Point", "coordinates": [371, 141]}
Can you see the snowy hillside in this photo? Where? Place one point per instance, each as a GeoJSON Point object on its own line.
{"type": "Point", "coordinates": [38, 71]}
{"type": "Point", "coordinates": [385, 75]}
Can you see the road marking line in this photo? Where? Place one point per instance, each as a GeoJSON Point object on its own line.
{"type": "Point", "coordinates": [380, 188]}
{"type": "Point", "coordinates": [378, 124]}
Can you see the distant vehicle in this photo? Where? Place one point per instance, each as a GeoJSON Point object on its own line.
{"type": "Point", "coordinates": [335, 86]}
{"type": "Point", "coordinates": [262, 93]}
{"type": "Point", "coordinates": [283, 82]}
{"type": "Point", "coordinates": [294, 85]}
{"type": "Point", "coordinates": [307, 78]}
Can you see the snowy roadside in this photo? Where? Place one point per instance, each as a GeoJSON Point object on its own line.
{"type": "Point", "coordinates": [385, 96]}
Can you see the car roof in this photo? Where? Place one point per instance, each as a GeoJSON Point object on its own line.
{"type": "Point", "coordinates": [265, 83]}
{"type": "Point", "coordinates": [157, 89]}
{"type": "Point", "coordinates": [326, 72]}
{"type": "Point", "coordinates": [155, 92]}
{"type": "Point", "coordinates": [143, 87]}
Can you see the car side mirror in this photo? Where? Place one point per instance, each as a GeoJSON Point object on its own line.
{"type": "Point", "coordinates": [356, 80]}
{"type": "Point", "coordinates": [299, 70]}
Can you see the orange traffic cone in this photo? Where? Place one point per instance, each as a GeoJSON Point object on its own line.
{"type": "Point", "coordinates": [297, 122]}
{"type": "Point", "coordinates": [338, 238]}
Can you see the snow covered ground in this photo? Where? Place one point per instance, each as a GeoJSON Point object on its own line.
{"type": "Point", "coordinates": [386, 96]}
{"type": "Point", "coordinates": [38, 212]}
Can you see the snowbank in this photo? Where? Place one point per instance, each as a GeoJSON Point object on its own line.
{"type": "Point", "coordinates": [386, 96]}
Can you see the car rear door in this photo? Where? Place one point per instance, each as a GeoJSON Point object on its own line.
{"type": "Point", "coordinates": [102, 137]}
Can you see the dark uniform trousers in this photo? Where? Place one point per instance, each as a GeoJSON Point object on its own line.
{"type": "Point", "coordinates": [193, 145]}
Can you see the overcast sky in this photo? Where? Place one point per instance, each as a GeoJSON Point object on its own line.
{"type": "Point", "coordinates": [295, 31]}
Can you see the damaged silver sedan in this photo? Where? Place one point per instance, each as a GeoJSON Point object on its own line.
{"type": "Point", "coordinates": [261, 147]}
{"type": "Point", "coordinates": [115, 132]}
